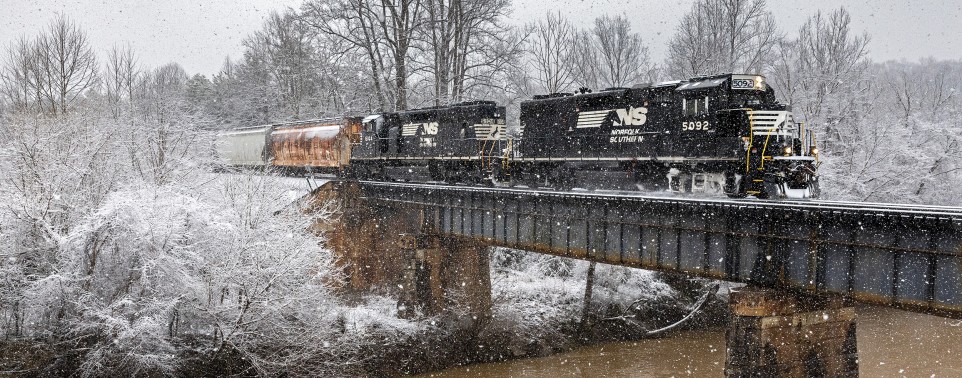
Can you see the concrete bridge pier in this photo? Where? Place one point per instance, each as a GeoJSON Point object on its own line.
{"type": "Point", "coordinates": [775, 333]}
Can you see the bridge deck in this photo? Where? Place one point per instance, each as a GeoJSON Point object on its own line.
{"type": "Point", "coordinates": [898, 255]}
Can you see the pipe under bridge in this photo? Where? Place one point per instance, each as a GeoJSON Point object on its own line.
{"type": "Point", "coordinates": [904, 256]}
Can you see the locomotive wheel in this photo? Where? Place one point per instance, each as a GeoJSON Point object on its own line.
{"type": "Point", "coordinates": [499, 177]}
{"type": "Point", "coordinates": [363, 172]}
{"type": "Point", "coordinates": [769, 190]}
{"type": "Point", "coordinates": [477, 177]}
{"type": "Point", "coordinates": [681, 183]}
{"type": "Point", "coordinates": [813, 188]}
{"type": "Point", "coordinates": [380, 174]}
{"type": "Point", "coordinates": [738, 194]}
{"type": "Point", "coordinates": [451, 177]}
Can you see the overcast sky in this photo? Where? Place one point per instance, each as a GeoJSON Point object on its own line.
{"type": "Point", "coordinates": [199, 34]}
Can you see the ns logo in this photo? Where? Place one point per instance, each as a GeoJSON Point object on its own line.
{"type": "Point", "coordinates": [631, 117]}
{"type": "Point", "coordinates": [430, 128]}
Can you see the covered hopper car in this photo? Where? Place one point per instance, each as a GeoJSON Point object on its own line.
{"type": "Point", "coordinates": [246, 147]}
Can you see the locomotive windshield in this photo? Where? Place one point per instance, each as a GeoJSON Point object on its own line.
{"type": "Point", "coordinates": [750, 98]}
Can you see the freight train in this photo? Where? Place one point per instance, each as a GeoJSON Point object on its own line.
{"type": "Point", "coordinates": [714, 134]}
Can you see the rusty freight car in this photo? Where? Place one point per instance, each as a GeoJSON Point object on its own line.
{"type": "Point", "coordinates": [314, 146]}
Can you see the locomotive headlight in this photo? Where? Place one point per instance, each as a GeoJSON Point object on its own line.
{"type": "Point", "coordinates": [788, 151]}
{"type": "Point", "coordinates": [759, 83]}
{"type": "Point", "coordinates": [814, 151]}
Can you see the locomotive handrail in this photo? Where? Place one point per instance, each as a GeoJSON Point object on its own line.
{"type": "Point", "coordinates": [751, 141]}
{"type": "Point", "coordinates": [765, 148]}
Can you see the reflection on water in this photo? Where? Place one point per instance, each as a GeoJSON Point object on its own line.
{"type": "Point", "coordinates": [891, 343]}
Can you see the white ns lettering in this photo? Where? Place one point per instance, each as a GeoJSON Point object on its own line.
{"type": "Point", "coordinates": [632, 116]}
{"type": "Point", "coordinates": [431, 128]}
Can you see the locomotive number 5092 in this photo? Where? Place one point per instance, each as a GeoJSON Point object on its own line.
{"type": "Point", "coordinates": [695, 126]}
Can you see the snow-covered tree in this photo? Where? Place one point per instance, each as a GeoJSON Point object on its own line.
{"type": "Point", "coordinates": [53, 72]}
{"type": "Point", "coordinates": [385, 31]}
{"type": "Point", "coordinates": [718, 36]}
{"type": "Point", "coordinates": [550, 47]}
{"type": "Point", "coordinates": [120, 77]}
{"type": "Point", "coordinates": [610, 55]}
{"type": "Point", "coordinates": [468, 45]}
{"type": "Point", "coordinates": [822, 72]}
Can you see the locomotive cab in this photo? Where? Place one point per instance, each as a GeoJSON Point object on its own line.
{"type": "Point", "coordinates": [706, 136]}
{"type": "Point", "coordinates": [728, 119]}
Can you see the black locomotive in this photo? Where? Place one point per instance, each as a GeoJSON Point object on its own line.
{"type": "Point", "coordinates": [455, 144]}
{"type": "Point", "coordinates": [715, 134]}
{"type": "Point", "coordinates": [722, 133]}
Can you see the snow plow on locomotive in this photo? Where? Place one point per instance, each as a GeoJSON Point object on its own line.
{"type": "Point", "coordinates": [716, 134]}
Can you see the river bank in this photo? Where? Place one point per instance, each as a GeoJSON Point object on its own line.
{"type": "Point", "coordinates": [538, 310]}
{"type": "Point", "coordinates": [892, 343]}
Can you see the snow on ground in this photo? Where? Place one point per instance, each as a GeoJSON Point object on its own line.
{"type": "Point", "coordinates": [533, 293]}
{"type": "Point", "coordinates": [291, 188]}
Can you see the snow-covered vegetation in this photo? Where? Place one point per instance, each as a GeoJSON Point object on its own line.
{"type": "Point", "coordinates": [533, 294]}
{"type": "Point", "coordinates": [124, 255]}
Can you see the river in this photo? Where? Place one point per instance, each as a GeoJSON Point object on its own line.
{"type": "Point", "coordinates": [891, 343]}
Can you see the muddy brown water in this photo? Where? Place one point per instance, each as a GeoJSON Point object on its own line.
{"type": "Point", "coordinates": [891, 343]}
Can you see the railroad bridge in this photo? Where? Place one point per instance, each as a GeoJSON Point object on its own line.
{"type": "Point", "coordinates": [804, 261]}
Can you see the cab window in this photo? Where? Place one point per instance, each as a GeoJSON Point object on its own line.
{"type": "Point", "coordinates": [694, 106]}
